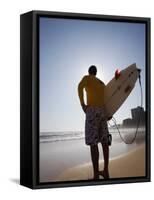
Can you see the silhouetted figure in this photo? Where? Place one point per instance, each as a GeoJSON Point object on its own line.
{"type": "Point", "coordinates": [96, 129]}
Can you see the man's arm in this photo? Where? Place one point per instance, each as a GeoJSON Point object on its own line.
{"type": "Point", "coordinates": [81, 86]}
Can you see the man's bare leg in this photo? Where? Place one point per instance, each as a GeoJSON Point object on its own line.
{"type": "Point", "coordinates": [95, 160]}
{"type": "Point", "coordinates": [105, 172]}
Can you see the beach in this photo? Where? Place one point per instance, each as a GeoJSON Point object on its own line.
{"type": "Point", "coordinates": [68, 158]}
{"type": "Point", "coordinates": [131, 164]}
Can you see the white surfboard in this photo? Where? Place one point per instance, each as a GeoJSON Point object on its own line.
{"type": "Point", "coordinates": [118, 89]}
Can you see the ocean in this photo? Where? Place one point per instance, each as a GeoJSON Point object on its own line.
{"type": "Point", "coordinates": [127, 133]}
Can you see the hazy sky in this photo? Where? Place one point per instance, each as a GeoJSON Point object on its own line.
{"type": "Point", "coordinates": [67, 49]}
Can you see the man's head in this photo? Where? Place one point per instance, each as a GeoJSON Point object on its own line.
{"type": "Point", "coordinates": [92, 70]}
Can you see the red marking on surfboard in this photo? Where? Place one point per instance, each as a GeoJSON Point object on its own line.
{"type": "Point", "coordinates": [117, 74]}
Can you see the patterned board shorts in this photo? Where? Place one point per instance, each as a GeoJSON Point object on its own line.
{"type": "Point", "coordinates": [96, 128]}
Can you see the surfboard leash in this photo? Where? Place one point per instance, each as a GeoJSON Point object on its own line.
{"type": "Point", "coordinates": [138, 122]}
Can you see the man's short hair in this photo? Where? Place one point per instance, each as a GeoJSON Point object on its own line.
{"type": "Point", "coordinates": [92, 70]}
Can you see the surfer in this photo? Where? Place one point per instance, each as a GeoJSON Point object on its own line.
{"type": "Point", "coordinates": [96, 129]}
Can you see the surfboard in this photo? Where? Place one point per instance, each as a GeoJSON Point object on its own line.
{"type": "Point", "coordinates": [119, 88]}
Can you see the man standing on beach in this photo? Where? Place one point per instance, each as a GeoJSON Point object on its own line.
{"type": "Point", "coordinates": [96, 129]}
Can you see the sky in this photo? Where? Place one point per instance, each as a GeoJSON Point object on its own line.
{"type": "Point", "coordinates": [67, 48]}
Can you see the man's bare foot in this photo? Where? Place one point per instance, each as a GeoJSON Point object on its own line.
{"type": "Point", "coordinates": [104, 174]}
{"type": "Point", "coordinates": [96, 176]}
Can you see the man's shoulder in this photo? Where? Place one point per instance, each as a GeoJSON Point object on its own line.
{"type": "Point", "coordinates": [86, 77]}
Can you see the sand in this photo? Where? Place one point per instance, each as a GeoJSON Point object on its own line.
{"type": "Point", "coordinates": [131, 164]}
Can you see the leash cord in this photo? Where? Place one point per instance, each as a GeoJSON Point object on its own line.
{"type": "Point", "coordinates": [138, 122]}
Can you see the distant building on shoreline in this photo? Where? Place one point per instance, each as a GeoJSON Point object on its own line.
{"type": "Point", "coordinates": [138, 114]}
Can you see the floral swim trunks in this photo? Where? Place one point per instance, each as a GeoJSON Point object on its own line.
{"type": "Point", "coordinates": [96, 128]}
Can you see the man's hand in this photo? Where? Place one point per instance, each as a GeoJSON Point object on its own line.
{"type": "Point", "coordinates": [84, 107]}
